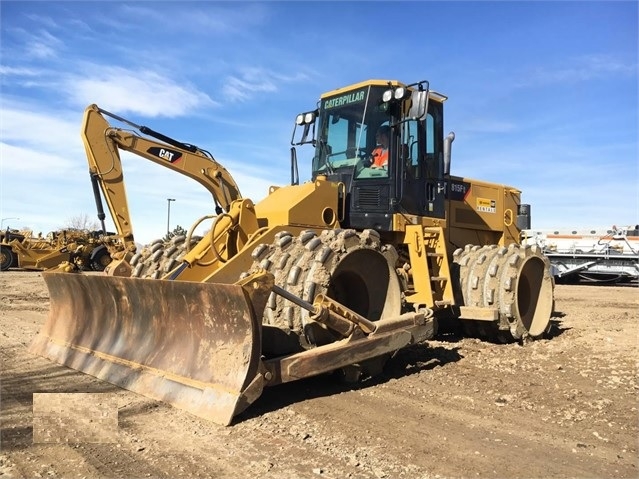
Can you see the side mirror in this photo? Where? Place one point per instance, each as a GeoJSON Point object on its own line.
{"type": "Point", "coordinates": [419, 105]}
{"type": "Point", "coordinates": [295, 175]}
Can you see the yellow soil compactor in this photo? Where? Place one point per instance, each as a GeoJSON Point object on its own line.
{"type": "Point", "coordinates": [333, 274]}
{"type": "Point", "coordinates": [85, 249]}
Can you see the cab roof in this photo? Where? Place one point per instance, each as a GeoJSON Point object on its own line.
{"type": "Point", "coordinates": [433, 95]}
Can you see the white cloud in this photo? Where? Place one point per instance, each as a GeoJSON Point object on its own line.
{"type": "Point", "coordinates": [207, 18]}
{"type": "Point", "coordinates": [44, 20]}
{"type": "Point", "coordinates": [137, 91]}
{"type": "Point", "coordinates": [41, 130]}
{"type": "Point", "coordinates": [252, 80]}
{"type": "Point", "coordinates": [42, 45]}
{"type": "Point", "coordinates": [19, 71]}
{"type": "Point", "coordinates": [40, 50]}
{"type": "Point", "coordinates": [240, 89]}
{"type": "Point", "coordinates": [28, 160]}
{"type": "Point", "coordinates": [579, 69]}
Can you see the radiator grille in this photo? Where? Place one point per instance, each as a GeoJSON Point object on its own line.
{"type": "Point", "coordinates": [369, 197]}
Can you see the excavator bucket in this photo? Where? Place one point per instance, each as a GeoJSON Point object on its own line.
{"type": "Point", "coordinates": [196, 346]}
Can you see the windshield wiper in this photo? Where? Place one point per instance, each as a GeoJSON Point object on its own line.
{"type": "Point", "coordinates": [324, 152]}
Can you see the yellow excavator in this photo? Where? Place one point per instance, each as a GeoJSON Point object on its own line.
{"type": "Point", "coordinates": [332, 274]}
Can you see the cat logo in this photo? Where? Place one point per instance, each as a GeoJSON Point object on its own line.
{"type": "Point", "coordinates": [171, 156]}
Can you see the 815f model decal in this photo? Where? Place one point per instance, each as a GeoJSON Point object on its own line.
{"type": "Point", "coordinates": [458, 190]}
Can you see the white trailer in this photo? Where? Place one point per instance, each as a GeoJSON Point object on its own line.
{"type": "Point", "coordinates": [594, 255]}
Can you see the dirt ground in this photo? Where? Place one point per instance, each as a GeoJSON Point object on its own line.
{"type": "Point", "coordinates": [565, 406]}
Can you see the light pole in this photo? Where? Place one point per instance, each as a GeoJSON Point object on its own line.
{"type": "Point", "coordinates": [5, 219]}
{"type": "Point", "coordinates": [168, 213]}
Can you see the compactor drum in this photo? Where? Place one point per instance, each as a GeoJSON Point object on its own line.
{"type": "Point", "coordinates": [514, 281]}
{"type": "Point", "coordinates": [333, 274]}
{"type": "Point", "coordinates": [350, 267]}
{"type": "Point", "coordinates": [161, 256]}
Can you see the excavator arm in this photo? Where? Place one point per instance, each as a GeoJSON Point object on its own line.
{"type": "Point", "coordinates": [103, 143]}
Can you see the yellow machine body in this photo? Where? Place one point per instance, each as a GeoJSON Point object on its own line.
{"type": "Point", "coordinates": [331, 274]}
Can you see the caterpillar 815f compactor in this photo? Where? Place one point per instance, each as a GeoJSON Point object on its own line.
{"type": "Point", "coordinates": [333, 274]}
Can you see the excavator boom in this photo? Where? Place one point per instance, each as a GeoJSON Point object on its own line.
{"type": "Point", "coordinates": [103, 144]}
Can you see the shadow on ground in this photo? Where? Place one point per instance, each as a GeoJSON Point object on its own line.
{"type": "Point", "coordinates": [405, 362]}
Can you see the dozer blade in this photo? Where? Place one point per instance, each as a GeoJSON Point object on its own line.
{"type": "Point", "coordinates": [196, 346]}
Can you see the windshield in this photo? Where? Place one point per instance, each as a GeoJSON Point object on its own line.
{"type": "Point", "coordinates": [347, 129]}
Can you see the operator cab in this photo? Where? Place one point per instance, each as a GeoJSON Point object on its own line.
{"type": "Point", "coordinates": [346, 123]}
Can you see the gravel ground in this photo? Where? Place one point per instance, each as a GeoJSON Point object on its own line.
{"type": "Point", "coordinates": [564, 406]}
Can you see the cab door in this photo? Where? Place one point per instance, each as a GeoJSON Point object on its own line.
{"type": "Point", "coordinates": [421, 157]}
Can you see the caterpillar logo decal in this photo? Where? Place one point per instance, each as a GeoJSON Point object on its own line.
{"type": "Point", "coordinates": [167, 154]}
{"type": "Point", "coordinates": [353, 97]}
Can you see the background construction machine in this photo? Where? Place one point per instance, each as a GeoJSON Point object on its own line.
{"type": "Point", "coordinates": [590, 255]}
{"type": "Point", "coordinates": [333, 274]}
{"type": "Point", "coordinates": [85, 249]}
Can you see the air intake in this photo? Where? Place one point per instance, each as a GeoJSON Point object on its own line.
{"type": "Point", "coordinates": [368, 198]}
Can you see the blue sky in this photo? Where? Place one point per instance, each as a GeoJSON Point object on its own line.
{"type": "Point", "coordinates": [542, 96]}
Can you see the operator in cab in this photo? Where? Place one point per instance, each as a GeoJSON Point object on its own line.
{"type": "Point", "coordinates": [380, 153]}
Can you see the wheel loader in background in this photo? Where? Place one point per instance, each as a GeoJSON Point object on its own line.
{"type": "Point", "coordinates": [84, 249]}
{"type": "Point", "coordinates": [333, 274]}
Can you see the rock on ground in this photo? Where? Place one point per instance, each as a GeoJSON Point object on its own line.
{"type": "Point", "coordinates": [565, 406]}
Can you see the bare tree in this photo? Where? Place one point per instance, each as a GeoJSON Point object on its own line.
{"type": "Point", "coordinates": [82, 222]}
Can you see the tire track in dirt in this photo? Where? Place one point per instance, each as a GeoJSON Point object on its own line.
{"type": "Point", "coordinates": [563, 407]}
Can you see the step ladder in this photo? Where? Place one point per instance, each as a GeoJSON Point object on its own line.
{"type": "Point", "coordinates": [429, 277]}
